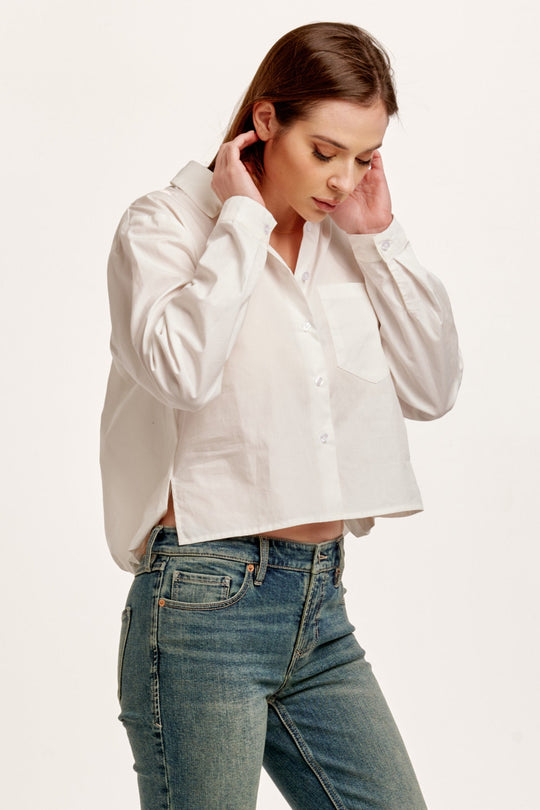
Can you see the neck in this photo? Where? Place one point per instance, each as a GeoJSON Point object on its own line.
{"type": "Point", "coordinates": [288, 221]}
{"type": "Point", "coordinates": [292, 232]}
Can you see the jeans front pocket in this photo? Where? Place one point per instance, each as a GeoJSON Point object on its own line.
{"type": "Point", "coordinates": [355, 330]}
{"type": "Point", "coordinates": [200, 588]}
{"type": "Point", "coordinates": [126, 621]}
{"type": "Point", "coordinates": [204, 582]}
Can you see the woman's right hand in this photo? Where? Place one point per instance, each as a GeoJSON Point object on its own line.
{"type": "Point", "coordinates": [231, 178]}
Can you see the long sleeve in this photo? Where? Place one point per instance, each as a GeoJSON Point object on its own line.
{"type": "Point", "coordinates": [175, 311]}
{"type": "Point", "coordinates": [257, 397]}
{"type": "Point", "coordinates": [416, 324]}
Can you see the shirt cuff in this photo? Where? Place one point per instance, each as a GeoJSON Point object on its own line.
{"type": "Point", "coordinates": [386, 245]}
{"type": "Point", "coordinates": [250, 214]}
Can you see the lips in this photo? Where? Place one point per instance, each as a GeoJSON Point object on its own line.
{"type": "Point", "coordinates": [326, 205]}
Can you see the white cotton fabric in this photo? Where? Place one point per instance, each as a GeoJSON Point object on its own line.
{"type": "Point", "coordinates": [263, 398]}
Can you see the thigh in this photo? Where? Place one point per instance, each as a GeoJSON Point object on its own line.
{"type": "Point", "coordinates": [332, 741]}
{"type": "Point", "coordinates": [197, 732]}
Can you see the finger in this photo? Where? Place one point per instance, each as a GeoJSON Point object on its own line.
{"type": "Point", "coordinates": [245, 139]}
{"type": "Point", "coordinates": [240, 142]}
{"type": "Point", "coordinates": [230, 151]}
{"type": "Point", "coordinates": [376, 160]}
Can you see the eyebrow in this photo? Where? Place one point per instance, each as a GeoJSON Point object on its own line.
{"type": "Point", "coordinates": [340, 145]}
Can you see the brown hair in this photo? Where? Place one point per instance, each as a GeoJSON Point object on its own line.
{"type": "Point", "coordinates": [311, 63]}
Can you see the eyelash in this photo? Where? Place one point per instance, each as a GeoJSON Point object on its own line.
{"type": "Point", "coordinates": [328, 158]}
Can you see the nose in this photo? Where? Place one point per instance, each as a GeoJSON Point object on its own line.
{"type": "Point", "coordinates": [344, 181]}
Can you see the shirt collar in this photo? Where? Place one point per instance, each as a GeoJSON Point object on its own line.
{"type": "Point", "coordinates": [194, 179]}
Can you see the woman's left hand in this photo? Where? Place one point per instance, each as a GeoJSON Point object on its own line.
{"type": "Point", "coordinates": [369, 208]}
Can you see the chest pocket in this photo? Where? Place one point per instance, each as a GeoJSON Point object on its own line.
{"type": "Point", "coordinates": [355, 330]}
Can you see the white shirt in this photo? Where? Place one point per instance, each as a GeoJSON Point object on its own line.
{"type": "Point", "coordinates": [264, 398]}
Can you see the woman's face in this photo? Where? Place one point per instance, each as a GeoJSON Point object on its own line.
{"type": "Point", "coordinates": [318, 161]}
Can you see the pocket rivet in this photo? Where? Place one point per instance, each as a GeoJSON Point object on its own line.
{"type": "Point", "coordinates": [251, 567]}
{"type": "Point", "coordinates": [161, 602]}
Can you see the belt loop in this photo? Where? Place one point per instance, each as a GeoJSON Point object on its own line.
{"type": "Point", "coordinates": [263, 560]}
{"type": "Point", "coordinates": [146, 562]}
{"type": "Point", "coordinates": [338, 573]}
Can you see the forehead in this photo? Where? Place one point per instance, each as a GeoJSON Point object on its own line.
{"type": "Point", "coordinates": [354, 126]}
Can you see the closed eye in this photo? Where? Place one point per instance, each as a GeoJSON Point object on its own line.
{"type": "Point", "coordinates": [328, 158]}
{"type": "Point", "coordinates": [320, 156]}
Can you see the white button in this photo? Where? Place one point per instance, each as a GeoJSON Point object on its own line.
{"type": "Point", "coordinates": [386, 244]}
{"type": "Point", "coordinates": [308, 226]}
{"type": "Point", "coordinates": [305, 276]}
{"type": "Point", "coordinates": [267, 229]}
{"type": "Point", "coordinates": [323, 437]}
{"type": "Point", "coordinates": [319, 381]}
{"type": "Point", "coordinates": [307, 326]}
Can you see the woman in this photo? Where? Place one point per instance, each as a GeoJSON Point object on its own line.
{"type": "Point", "coordinates": [270, 328]}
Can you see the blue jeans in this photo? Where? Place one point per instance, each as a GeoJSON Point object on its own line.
{"type": "Point", "coordinates": [237, 654]}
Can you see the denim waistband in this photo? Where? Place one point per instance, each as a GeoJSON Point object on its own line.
{"type": "Point", "coordinates": [260, 549]}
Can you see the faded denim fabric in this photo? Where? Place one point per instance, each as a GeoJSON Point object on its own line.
{"type": "Point", "coordinates": [237, 654]}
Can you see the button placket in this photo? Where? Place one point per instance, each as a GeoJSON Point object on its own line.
{"type": "Point", "coordinates": [319, 380]}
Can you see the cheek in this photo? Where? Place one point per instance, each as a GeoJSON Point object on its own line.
{"type": "Point", "coordinates": [291, 168]}
{"type": "Point", "coordinates": [278, 164]}
{"type": "Point", "coordinates": [306, 177]}
{"type": "Point", "coordinates": [292, 177]}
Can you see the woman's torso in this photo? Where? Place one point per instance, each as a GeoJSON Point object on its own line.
{"type": "Point", "coordinates": [288, 246]}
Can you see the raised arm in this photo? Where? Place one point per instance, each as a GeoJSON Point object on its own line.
{"type": "Point", "coordinates": [177, 305]}
{"type": "Point", "coordinates": [417, 328]}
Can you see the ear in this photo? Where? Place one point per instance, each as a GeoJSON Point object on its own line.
{"type": "Point", "coordinates": [264, 120]}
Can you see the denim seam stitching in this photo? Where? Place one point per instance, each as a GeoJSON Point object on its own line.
{"type": "Point", "coordinates": [247, 560]}
{"type": "Point", "coordinates": [301, 570]}
{"type": "Point", "coordinates": [306, 754]}
{"type": "Point", "coordinates": [315, 620]}
{"type": "Point", "coordinates": [156, 703]}
{"type": "Point", "coordinates": [211, 556]}
{"type": "Point", "coordinates": [155, 652]}
{"type": "Point", "coordinates": [126, 623]}
{"type": "Point", "coordinates": [295, 656]}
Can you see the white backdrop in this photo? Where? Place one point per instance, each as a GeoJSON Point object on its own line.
{"type": "Point", "coordinates": [103, 102]}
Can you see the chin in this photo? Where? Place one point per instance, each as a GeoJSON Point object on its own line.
{"type": "Point", "coordinates": [318, 217]}
{"type": "Point", "coordinates": [314, 215]}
